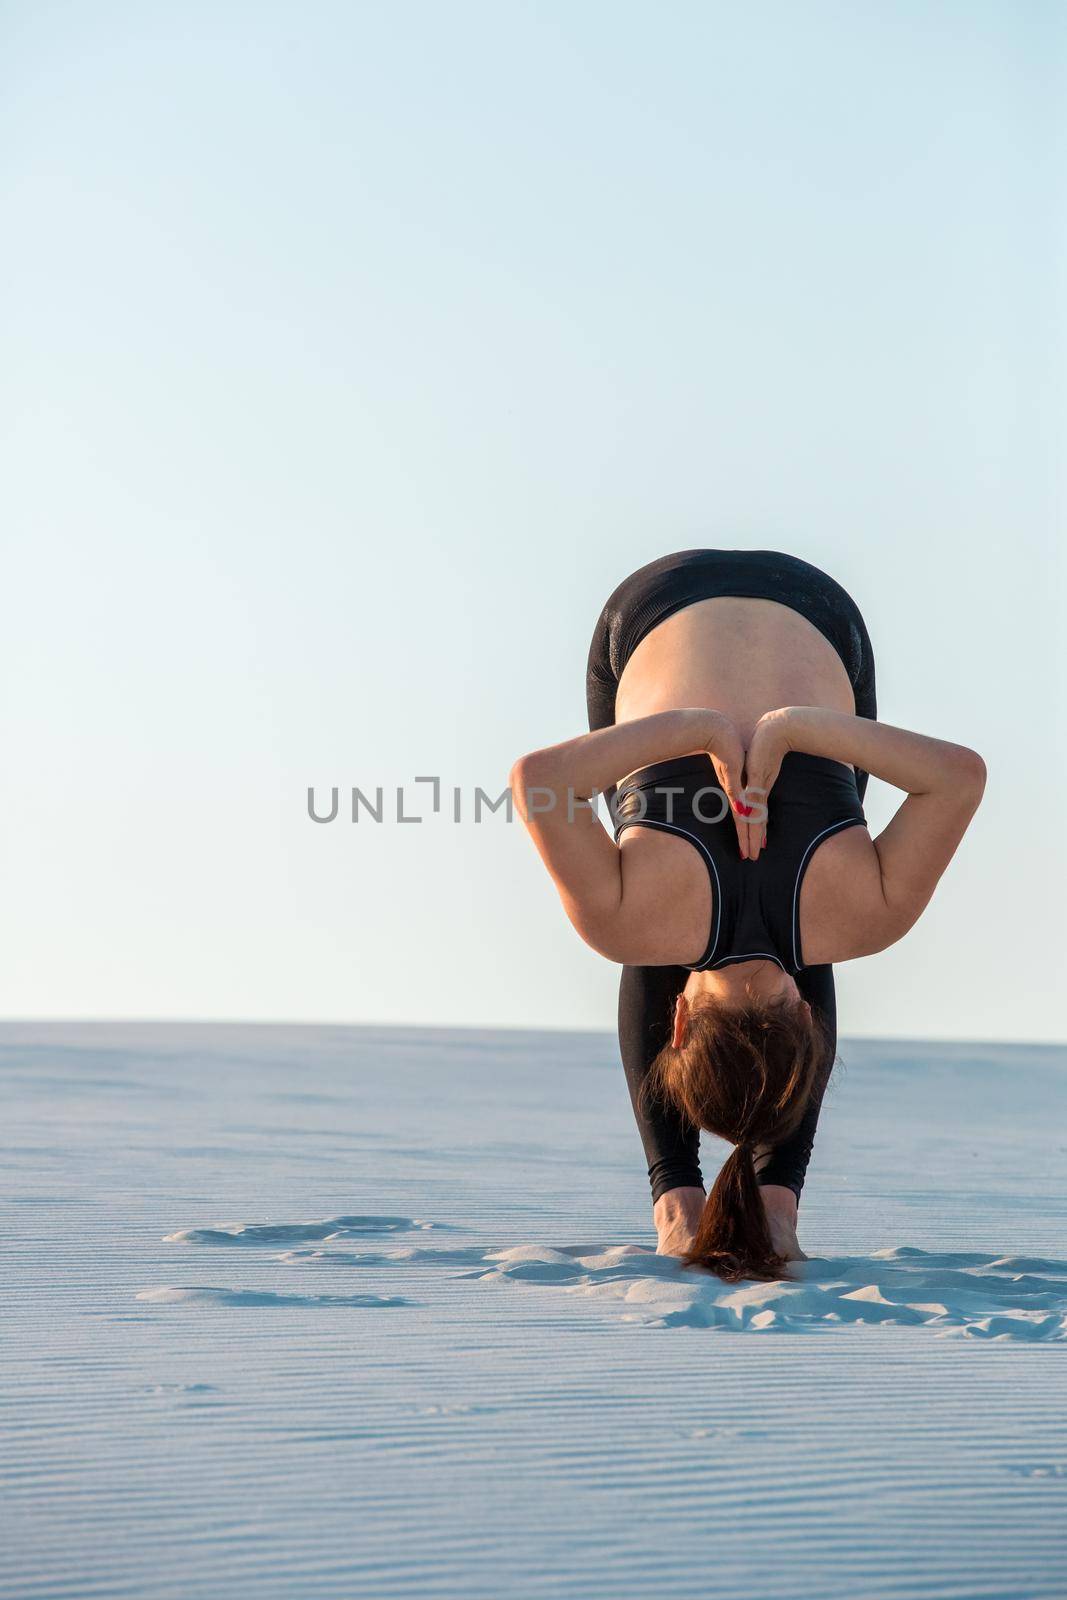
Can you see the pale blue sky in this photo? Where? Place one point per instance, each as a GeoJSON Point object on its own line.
{"type": "Point", "coordinates": [354, 353]}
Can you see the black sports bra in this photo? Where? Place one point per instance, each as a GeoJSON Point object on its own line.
{"type": "Point", "coordinates": [756, 904]}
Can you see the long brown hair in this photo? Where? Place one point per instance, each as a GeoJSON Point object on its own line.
{"type": "Point", "coordinates": [746, 1075]}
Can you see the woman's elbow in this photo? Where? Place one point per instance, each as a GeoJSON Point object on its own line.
{"type": "Point", "coordinates": [533, 778]}
{"type": "Point", "coordinates": [527, 772]}
{"type": "Point", "coordinates": [970, 774]}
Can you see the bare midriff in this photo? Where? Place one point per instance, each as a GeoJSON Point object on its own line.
{"type": "Point", "coordinates": [739, 656]}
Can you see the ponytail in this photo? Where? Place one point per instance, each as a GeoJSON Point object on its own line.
{"type": "Point", "coordinates": [746, 1075]}
{"type": "Point", "coordinates": [733, 1239]}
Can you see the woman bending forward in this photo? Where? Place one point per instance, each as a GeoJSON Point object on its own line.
{"type": "Point", "coordinates": [732, 706]}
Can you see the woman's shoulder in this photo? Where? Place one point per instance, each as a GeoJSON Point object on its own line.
{"type": "Point", "coordinates": [842, 911]}
{"type": "Point", "coordinates": [667, 900]}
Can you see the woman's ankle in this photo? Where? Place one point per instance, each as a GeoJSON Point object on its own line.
{"type": "Point", "coordinates": [779, 1201]}
{"type": "Point", "coordinates": [683, 1203]}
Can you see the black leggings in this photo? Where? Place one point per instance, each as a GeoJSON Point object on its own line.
{"type": "Point", "coordinates": [671, 1141]}
{"type": "Point", "coordinates": [647, 994]}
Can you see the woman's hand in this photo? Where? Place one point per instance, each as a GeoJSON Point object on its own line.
{"type": "Point", "coordinates": [763, 762]}
{"type": "Point", "coordinates": [728, 758]}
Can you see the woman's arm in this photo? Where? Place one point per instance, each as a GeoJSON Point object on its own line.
{"type": "Point", "coordinates": [594, 761]}
{"type": "Point", "coordinates": [944, 784]}
{"type": "Point", "coordinates": [552, 789]}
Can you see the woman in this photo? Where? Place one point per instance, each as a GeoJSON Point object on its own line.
{"type": "Point", "coordinates": [732, 714]}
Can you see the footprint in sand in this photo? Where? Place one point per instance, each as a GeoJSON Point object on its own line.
{"type": "Point", "coordinates": [267, 1233]}
{"type": "Point", "coordinates": [206, 1294]}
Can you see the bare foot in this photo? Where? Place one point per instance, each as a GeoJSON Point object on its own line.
{"type": "Point", "coordinates": [780, 1205]}
{"type": "Point", "coordinates": [676, 1215]}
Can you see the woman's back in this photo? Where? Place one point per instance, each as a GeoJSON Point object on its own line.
{"type": "Point", "coordinates": [744, 656]}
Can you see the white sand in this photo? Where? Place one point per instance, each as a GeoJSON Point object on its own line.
{"type": "Point", "coordinates": [306, 1312]}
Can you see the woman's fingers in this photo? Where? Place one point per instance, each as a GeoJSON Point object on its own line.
{"type": "Point", "coordinates": [740, 810]}
{"type": "Point", "coordinates": [763, 762]}
{"type": "Point", "coordinates": [758, 785]}
{"type": "Point", "coordinates": [730, 775]}
{"type": "Point", "coordinates": [756, 799]}
{"type": "Point", "coordinates": [746, 778]}
{"type": "Point", "coordinates": [728, 759]}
